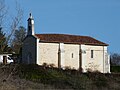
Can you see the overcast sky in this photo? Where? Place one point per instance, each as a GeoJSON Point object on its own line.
{"type": "Point", "coordinates": [97, 18]}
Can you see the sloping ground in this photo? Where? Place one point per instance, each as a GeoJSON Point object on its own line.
{"type": "Point", "coordinates": [34, 77]}
{"type": "Point", "coordinates": [10, 80]}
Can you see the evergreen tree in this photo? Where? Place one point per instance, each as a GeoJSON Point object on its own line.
{"type": "Point", "coordinates": [3, 45]}
{"type": "Point", "coordinates": [19, 35]}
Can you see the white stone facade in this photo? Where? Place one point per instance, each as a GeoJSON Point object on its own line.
{"type": "Point", "coordinates": [98, 60]}
{"type": "Point", "coordinates": [41, 52]}
{"type": "Point", "coordinates": [63, 51]}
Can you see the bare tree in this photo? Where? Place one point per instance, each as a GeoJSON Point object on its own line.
{"type": "Point", "coordinates": [14, 24]}
{"type": "Point", "coordinates": [16, 20]}
{"type": "Point", "coordinates": [3, 11]}
{"type": "Point", "coordinates": [115, 59]}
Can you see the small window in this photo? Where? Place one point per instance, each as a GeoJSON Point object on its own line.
{"type": "Point", "coordinates": [72, 55]}
{"type": "Point", "coordinates": [91, 53]}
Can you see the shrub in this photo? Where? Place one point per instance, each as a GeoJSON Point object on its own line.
{"type": "Point", "coordinates": [67, 68]}
{"type": "Point", "coordinates": [45, 65]}
{"type": "Point", "coordinates": [115, 69]}
{"type": "Point", "coordinates": [51, 65]}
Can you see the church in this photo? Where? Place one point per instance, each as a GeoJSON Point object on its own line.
{"type": "Point", "coordinates": [64, 50]}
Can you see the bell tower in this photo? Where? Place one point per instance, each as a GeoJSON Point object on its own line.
{"type": "Point", "coordinates": [30, 25]}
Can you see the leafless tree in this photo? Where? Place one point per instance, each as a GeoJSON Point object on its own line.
{"type": "Point", "coordinates": [3, 12]}
{"type": "Point", "coordinates": [16, 20]}
{"type": "Point", "coordinates": [115, 59]}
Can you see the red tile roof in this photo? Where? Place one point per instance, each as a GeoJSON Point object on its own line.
{"type": "Point", "coordinates": [65, 38]}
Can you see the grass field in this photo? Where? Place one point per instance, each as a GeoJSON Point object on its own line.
{"type": "Point", "coordinates": [34, 77]}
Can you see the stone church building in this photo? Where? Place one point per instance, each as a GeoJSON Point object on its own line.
{"type": "Point", "coordinates": [64, 50]}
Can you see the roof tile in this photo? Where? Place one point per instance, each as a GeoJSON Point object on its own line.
{"type": "Point", "coordinates": [65, 38]}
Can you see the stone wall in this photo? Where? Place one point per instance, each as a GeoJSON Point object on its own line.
{"type": "Point", "coordinates": [29, 55]}
{"type": "Point", "coordinates": [98, 60]}
{"type": "Point", "coordinates": [48, 53]}
{"type": "Point", "coordinates": [67, 55]}
{"type": "Point", "coordinates": [71, 56]}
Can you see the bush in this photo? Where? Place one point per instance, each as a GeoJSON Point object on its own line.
{"type": "Point", "coordinates": [115, 69]}
{"type": "Point", "coordinates": [68, 78]}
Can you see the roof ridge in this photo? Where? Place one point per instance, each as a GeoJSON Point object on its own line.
{"type": "Point", "coordinates": [62, 34]}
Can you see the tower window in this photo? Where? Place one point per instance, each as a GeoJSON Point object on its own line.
{"type": "Point", "coordinates": [91, 53]}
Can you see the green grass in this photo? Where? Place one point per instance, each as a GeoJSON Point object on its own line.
{"type": "Point", "coordinates": [63, 79]}
{"type": "Point", "coordinates": [53, 76]}
{"type": "Point", "coordinates": [68, 79]}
